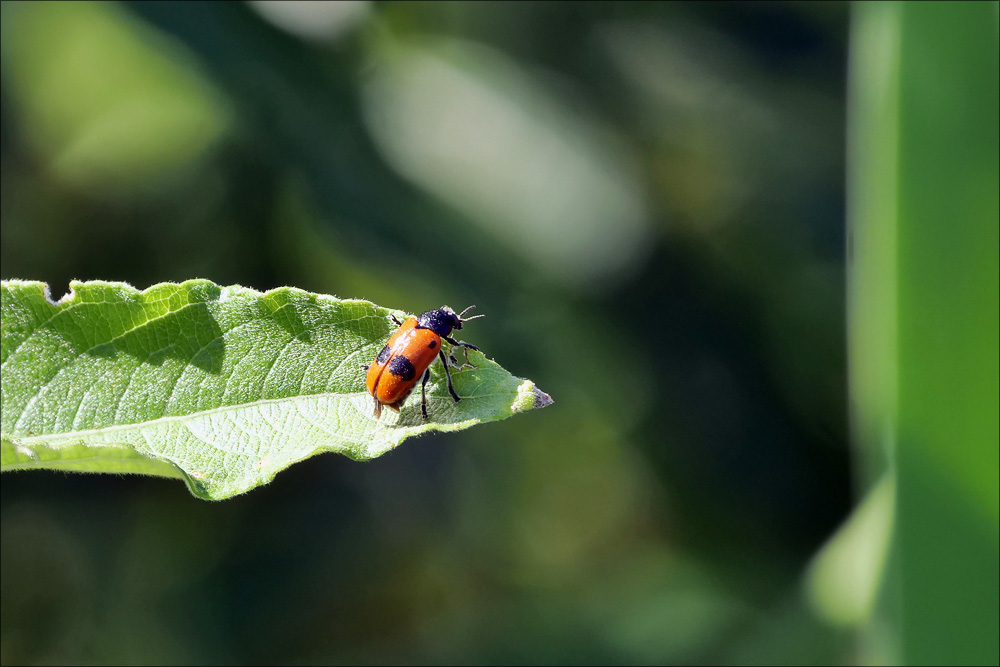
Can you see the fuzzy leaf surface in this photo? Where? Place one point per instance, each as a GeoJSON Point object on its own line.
{"type": "Point", "coordinates": [222, 387]}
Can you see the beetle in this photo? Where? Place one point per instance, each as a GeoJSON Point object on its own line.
{"type": "Point", "coordinates": [409, 352]}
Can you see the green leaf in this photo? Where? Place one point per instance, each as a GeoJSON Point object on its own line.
{"type": "Point", "coordinates": [924, 314]}
{"type": "Point", "coordinates": [220, 386]}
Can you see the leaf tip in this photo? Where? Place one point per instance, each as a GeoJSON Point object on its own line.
{"type": "Point", "coordinates": [529, 397]}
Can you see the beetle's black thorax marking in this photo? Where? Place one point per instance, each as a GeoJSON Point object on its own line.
{"type": "Point", "coordinates": [441, 321]}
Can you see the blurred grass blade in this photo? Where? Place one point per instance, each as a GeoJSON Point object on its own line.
{"type": "Point", "coordinates": [923, 297]}
{"type": "Point", "coordinates": [843, 580]}
{"type": "Point", "coordinates": [220, 386]}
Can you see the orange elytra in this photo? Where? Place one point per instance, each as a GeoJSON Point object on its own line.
{"type": "Point", "coordinates": [409, 353]}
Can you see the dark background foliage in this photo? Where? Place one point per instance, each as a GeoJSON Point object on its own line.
{"type": "Point", "coordinates": [645, 198]}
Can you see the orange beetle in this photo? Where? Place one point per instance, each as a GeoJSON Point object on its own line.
{"type": "Point", "coordinates": [409, 352]}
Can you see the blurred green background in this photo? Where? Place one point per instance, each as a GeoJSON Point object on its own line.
{"type": "Point", "coordinates": [647, 200]}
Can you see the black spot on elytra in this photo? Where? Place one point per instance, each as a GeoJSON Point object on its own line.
{"type": "Point", "coordinates": [401, 367]}
{"type": "Point", "coordinates": [432, 344]}
{"type": "Point", "coordinates": [383, 356]}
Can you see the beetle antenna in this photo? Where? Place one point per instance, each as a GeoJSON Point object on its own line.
{"type": "Point", "coordinates": [474, 317]}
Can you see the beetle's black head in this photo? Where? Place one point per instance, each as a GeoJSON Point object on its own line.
{"type": "Point", "coordinates": [442, 320]}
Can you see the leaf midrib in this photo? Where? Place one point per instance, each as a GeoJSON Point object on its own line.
{"type": "Point", "coordinates": [180, 418]}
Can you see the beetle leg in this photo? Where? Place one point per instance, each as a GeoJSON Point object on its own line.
{"type": "Point", "coordinates": [398, 323]}
{"type": "Point", "coordinates": [378, 409]}
{"type": "Point", "coordinates": [447, 374]}
{"type": "Point", "coordinates": [423, 393]}
{"type": "Point", "coordinates": [463, 344]}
